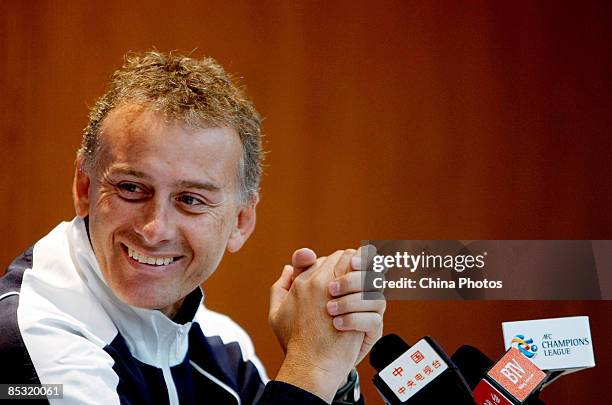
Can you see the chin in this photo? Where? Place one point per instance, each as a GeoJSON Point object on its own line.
{"type": "Point", "coordinates": [144, 299]}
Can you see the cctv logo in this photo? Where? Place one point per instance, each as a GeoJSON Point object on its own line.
{"type": "Point", "coordinates": [493, 401]}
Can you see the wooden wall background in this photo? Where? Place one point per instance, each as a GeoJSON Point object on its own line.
{"type": "Point", "coordinates": [384, 120]}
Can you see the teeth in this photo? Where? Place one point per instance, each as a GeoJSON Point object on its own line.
{"type": "Point", "coordinates": [155, 261]}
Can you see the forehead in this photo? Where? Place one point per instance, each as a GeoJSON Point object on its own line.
{"type": "Point", "coordinates": [133, 136]}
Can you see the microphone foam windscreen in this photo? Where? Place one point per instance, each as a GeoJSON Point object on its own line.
{"type": "Point", "coordinates": [387, 349]}
{"type": "Point", "coordinates": [472, 363]}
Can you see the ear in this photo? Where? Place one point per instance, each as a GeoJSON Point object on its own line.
{"type": "Point", "coordinates": [80, 189]}
{"type": "Point", "coordinates": [245, 225]}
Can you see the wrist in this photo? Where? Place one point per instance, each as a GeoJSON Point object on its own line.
{"type": "Point", "coordinates": [315, 377]}
{"type": "Point", "coordinates": [350, 392]}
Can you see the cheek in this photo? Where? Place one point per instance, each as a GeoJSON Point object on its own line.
{"type": "Point", "coordinates": [208, 238]}
{"type": "Point", "coordinates": [110, 217]}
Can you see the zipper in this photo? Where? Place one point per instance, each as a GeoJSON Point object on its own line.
{"type": "Point", "coordinates": [170, 386]}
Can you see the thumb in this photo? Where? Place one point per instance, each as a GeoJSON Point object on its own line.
{"type": "Point", "coordinates": [301, 260]}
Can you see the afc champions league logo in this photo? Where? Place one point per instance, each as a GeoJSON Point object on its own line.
{"type": "Point", "coordinates": [525, 346]}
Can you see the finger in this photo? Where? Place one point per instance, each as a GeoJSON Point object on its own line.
{"type": "Point", "coordinates": [281, 286]}
{"type": "Point", "coordinates": [349, 283]}
{"type": "Point", "coordinates": [310, 271]}
{"type": "Point", "coordinates": [343, 264]}
{"type": "Point", "coordinates": [284, 281]}
{"type": "Point", "coordinates": [301, 260]}
{"type": "Point", "coordinates": [364, 256]}
{"type": "Point", "coordinates": [330, 260]}
{"type": "Point", "coordinates": [325, 269]}
{"type": "Point", "coordinates": [355, 303]}
{"type": "Point", "coordinates": [368, 322]}
{"type": "Point", "coordinates": [356, 260]}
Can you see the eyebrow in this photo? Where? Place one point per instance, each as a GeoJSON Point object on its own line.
{"type": "Point", "coordinates": [131, 172]}
{"type": "Point", "coordinates": [207, 186]}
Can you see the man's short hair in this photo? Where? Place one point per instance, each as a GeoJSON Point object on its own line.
{"type": "Point", "coordinates": [189, 91]}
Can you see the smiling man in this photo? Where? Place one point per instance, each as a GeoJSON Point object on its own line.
{"type": "Point", "coordinates": [110, 304]}
{"type": "Point", "coordinates": [162, 205]}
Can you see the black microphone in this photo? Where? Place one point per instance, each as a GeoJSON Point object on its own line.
{"type": "Point", "coordinates": [508, 383]}
{"type": "Point", "coordinates": [417, 375]}
{"type": "Point", "coordinates": [473, 364]}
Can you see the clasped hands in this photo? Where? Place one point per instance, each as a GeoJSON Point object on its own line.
{"type": "Point", "coordinates": [321, 320]}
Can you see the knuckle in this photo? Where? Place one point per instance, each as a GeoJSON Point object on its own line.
{"type": "Point", "coordinates": [342, 284]}
{"type": "Point", "coordinates": [342, 306]}
{"type": "Point", "coordinates": [345, 257]}
{"type": "Point", "coordinates": [376, 334]}
{"type": "Point", "coordinates": [350, 252]}
{"type": "Point", "coordinates": [319, 285]}
{"type": "Point", "coordinates": [339, 306]}
{"type": "Point", "coordinates": [377, 318]}
{"type": "Point", "coordinates": [299, 283]}
{"type": "Point", "coordinates": [319, 280]}
{"type": "Point", "coordinates": [348, 321]}
{"type": "Point", "coordinates": [383, 307]}
{"type": "Point", "coordinates": [350, 283]}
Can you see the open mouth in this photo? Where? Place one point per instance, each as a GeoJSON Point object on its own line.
{"type": "Point", "coordinates": [150, 260]}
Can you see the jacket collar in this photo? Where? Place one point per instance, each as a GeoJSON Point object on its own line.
{"type": "Point", "coordinates": [151, 336]}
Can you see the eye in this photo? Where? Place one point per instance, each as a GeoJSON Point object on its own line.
{"type": "Point", "coordinates": [131, 191]}
{"type": "Point", "coordinates": [191, 202]}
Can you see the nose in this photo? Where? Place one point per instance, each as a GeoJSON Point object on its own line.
{"type": "Point", "coordinates": [155, 224]}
